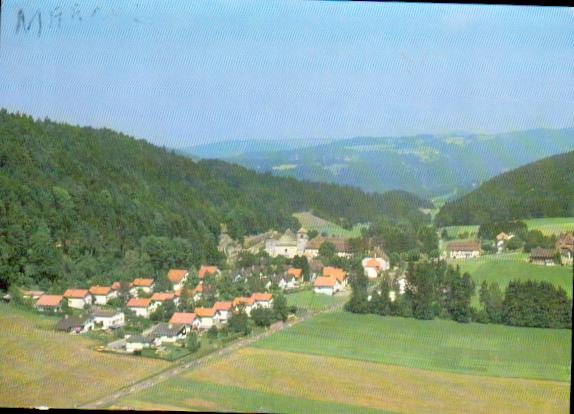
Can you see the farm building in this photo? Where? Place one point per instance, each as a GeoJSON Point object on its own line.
{"type": "Point", "coordinates": [546, 257]}
{"type": "Point", "coordinates": [565, 245]}
{"type": "Point", "coordinates": [463, 249]}
{"type": "Point", "coordinates": [78, 298]}
{"type": "Point", "coordinates": [49, 302]}
{"type": "Point", "coordinates": [108, 319]}
{"type": "Point", "coordinates": [167, 333]}
{"type": "Point", "coordinates": [138, 342]}
{"type": "Point", "coordinates": [75, 324]}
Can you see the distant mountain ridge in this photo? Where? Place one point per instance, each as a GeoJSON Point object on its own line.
{"type": "Point", "coordinates": [428, 165]}
{"type": "Point", "coordinates": [544, 188]}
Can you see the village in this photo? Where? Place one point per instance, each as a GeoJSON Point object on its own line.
{"type": "Point", "coordinates": [143, 317]}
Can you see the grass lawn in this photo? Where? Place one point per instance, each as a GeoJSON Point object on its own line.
{"type": "Point", "coordinates": [308, 299]}
{"type": "Point", "coordinates": [506, 267]}
{"type": "Point", "coordinates": [44, 367]}
{"type": "Point", "coordinates": [493, 350]}
{"type": "Point", "coordinates": [311, 222]}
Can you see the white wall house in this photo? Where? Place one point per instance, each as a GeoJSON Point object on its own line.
{"type": "Point", "coordinates": [137, 343]}
{"type": "Point", "coordinates": [205, 316]}
{"type": "Point", "coordinates": [463, 250]}
{"type": "Point", "coordinates": [326, 285]}
{"type": "Point", "coordinates": [374, 265]}
{"type": "Point", "coordinates": [144, 285]}
{"type": "Point", "coordinates": [78, 298]}
{"type": "Point", "coordinates": [140, 306]}
{"type": "Point", "coordinates": [102, 294]}
{"type": "Point", "coordinates": [222, 311]}
{"type": "Point", "coordinates": [177, 277]}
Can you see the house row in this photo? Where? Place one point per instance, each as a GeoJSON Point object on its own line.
{"type": "Point", "coordinates": [332, 281]}
{"type": "Point", "coordinates": [99, 319]}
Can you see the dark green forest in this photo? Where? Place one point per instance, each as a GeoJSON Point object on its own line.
{"type": "Point", "coordinates": [541, 189]}
{"type": "Point", "coordinates": [82, 205]}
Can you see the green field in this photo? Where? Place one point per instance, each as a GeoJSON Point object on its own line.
{"type": "Point", "coordinates": [503, 268]}
{"type": "Point", "coordinates": [494, 350]}
{"type": "Point", "coordinates": [307, 299]}
{"type": "Point", "coordinates": [311, 222]}
{"type": "Point", "coordinates": [346, 363]}
{"type": "Point", "coordinates": [547, 226]}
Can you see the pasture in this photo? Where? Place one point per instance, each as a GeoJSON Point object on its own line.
{"type": "Point", "coordinates": [548, 226]}
{"type": "Point", "coordinates": [311, 222]}
{"type": "Point", "coordinates": [44, 367]}
{"type": "Point", "coordinates": [503, 268]}
{"type": "Point", "coordinates": [438, 345]}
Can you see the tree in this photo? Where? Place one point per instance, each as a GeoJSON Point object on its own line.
{"type": "Point", "coordinates": [358, 302]}
{"type": "Point", "coordinates": [327, 251]}
{"type": "Point", "coordinates": [193, 343]}
{"type": "Point", "coordinates": [239, 322]}
{"type": "Point", "coordinates": [212, 333]}
{"type": "Point", "coordinates": [280, 309]}
{"type": "Point", "coordinates": [422, 289]}
{"type": "Point", "coordinates": [380, 303]}
{"type": "Point", "coordinates": [459, 291]}
{"type": "Point", "coordinates": [262, 316]}
{"type": "Point", "coordinates": [491, 299]}
{"type": "Point", "coordinates": [302, 263]}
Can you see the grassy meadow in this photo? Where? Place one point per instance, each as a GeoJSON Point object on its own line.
{"type": "Point", "coordinates": [311, 222]}
{"type": "Point", "coordinates": [44, 367]}
{"type": "Point", "coordinates": [548, 226]}
{"type": "Point", "coordinates": [502, 268]}
{"type": "Point", "coordinates": [307, 299]}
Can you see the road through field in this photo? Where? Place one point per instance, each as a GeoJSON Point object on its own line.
{"type": "Point", "coordinates": [180, 366]}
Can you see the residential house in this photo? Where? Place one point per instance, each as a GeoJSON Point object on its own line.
{"type": "Point", "coordinates": [49, 302]}
{"type": "Point", "coordinates": [374, 265]}
{"type": "Point", "coordinates": [244, 302]}
{"type": "Point", "coordinates": [108, 319]}
{"type": "Point", "coordinates": [167, 333]}
{"type": "Point", "coordinates": [159, 298]}
{"type": "Point", "coordinates": [501, 239]}
{"type": "Point", "coordinates": [177, 277]}
{"type": "Point", "coordinates": [118, 286]}
{"type": "Point", "coordinates": [205, 269]}
{"type": "Point", "coordinates": [565, 245]}
{"type": "Point", "coordinates": [261, 300]}
{"type": "Point", "coordinates": [326, 285]}
{"type": "Point", "coordinates": [78, 298]}
{"type": "Point", "coordinates": [102, 294]}
{"type": "Point", "coordinates": [337, 273]}
{"type": "Point", "coordinates": [222, 311]}
{"type": "Point", "coordinates": [463, 249]}
{"type": "Point", "coordinates": [144, 285]}
{"type": "Point", "coordinates": [197, 292]}
{"type": "Point", "coordinates": [297, 274]}
{"type": "Point", "coordinates": [546, 257]}
{"type": "Point", "coordinates": [283, 281]}
{"type": "Point", "coordinates": [75, 324]}
{"type": "Point", "coordinates": [206, 317]}
{"type": "Point", "coordinates": [186, 319]}
{"type": "Point", "coordinates": [140, 306]}
{"type": "Point", "coordinates": [136, 343]}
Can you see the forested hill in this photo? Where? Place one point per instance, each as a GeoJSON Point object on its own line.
{"type": "Point", "coordinates": [543, 188]}
{"type": "Point", "coordinates": [81, 203]}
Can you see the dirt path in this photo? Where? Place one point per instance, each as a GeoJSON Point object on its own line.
{"type": "Point", "coordinates": [185, 364]}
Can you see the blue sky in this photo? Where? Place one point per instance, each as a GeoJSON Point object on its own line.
{"type": "Point", "coordinates": [222, 70]}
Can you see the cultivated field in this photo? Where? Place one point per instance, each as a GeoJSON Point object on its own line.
{"type": "Point", "coordinates": [346, 363]}
{"type": "Point", "coordinates": [43, 367]}
{"type": "Point", "coordinates": [502, 268]}
{"type": "Point", "coordinates": [311, 222]}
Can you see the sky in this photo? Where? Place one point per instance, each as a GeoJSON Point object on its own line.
{"type": "Point", "coordinates": [185, 73]}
